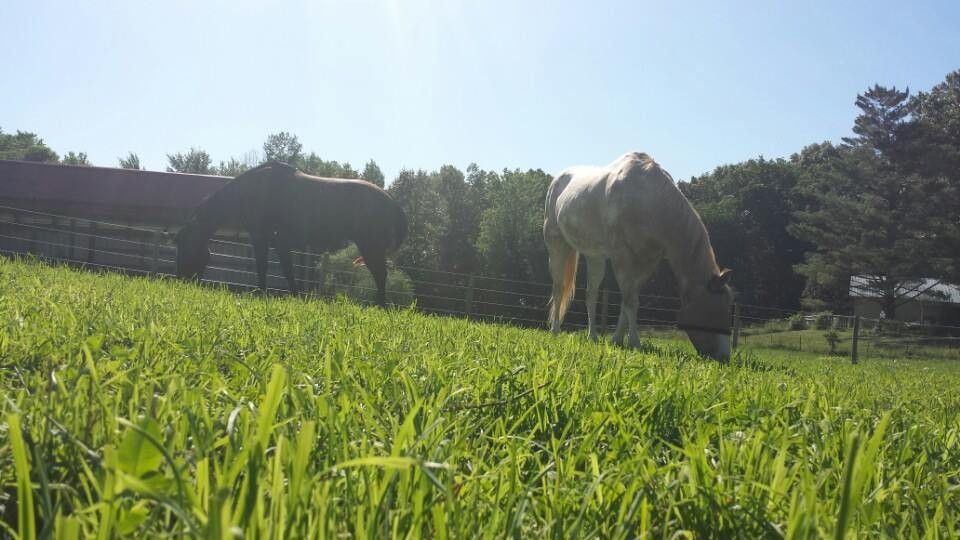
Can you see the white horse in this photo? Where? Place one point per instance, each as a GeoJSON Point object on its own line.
{"type": "Point", "coordinates": [632, 213]}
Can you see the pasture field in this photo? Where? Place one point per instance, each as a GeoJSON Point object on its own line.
{"type": "Point", "coordinates": [143, 407]}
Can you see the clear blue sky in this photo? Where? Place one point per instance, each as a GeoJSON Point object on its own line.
{"type": "Point", "coordinates": [503, 83]}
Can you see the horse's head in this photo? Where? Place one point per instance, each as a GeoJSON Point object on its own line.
{"type": "Point", "coordinates": [705, 316]}
{"type": "Point", "coordinates": [193, 253]}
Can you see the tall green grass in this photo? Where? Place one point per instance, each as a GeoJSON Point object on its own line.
{"type": "Point", "coordinates": [138, 407]}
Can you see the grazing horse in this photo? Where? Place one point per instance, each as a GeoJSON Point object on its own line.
{"type": "Point", "coordinates": [283, 207]}
{"type": "Point", "coordinates": [632, 213]}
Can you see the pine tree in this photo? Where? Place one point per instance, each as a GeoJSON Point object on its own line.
{"type": "Point", "coordinates": [868, 216]}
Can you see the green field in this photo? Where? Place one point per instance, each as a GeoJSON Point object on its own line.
{"type": "Point", "coordinates": [147, 408]}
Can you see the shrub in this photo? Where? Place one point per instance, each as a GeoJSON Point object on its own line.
{"type": "Point", "coordinates": [823, 320]}
{"type": "Point", "coordinates": [833, 338]}
{"type": "Point", "coordinates": [342, 277]}
{"type": "Point", "coordinates": [797, 322]}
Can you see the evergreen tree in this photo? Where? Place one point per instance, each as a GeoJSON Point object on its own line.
{"type": "Point", "coordinates": [868, 216]}
{"type": "Point", "coordinates": [373, 174]}
{"type": "Point", "coordinates": [935, 154]}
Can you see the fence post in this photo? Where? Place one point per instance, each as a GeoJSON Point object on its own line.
{"type": "Point", "coordinates": [468, 297]}
{"type": "Point", "coordinates": [736, 327]}
{"type": "Point", "coordinates": [91, 241]}
{"type": "Point", "coordinates": [154, 262]}
{"type": "Point", "coordinates": [73, 238]}
{"type": "Point", "coordinates": [856, 337]}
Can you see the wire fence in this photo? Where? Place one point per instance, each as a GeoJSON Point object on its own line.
{"type": "Point", "coordinates": [150, 251]}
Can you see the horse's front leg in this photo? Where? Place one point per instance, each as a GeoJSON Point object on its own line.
{"type": "Point", "coordinates": [595, 270]}
{"type": "Point", "coordinates": [630, 275]}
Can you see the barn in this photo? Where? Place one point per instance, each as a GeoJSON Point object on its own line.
{"type": "Point", "coordinates": [936, 302]}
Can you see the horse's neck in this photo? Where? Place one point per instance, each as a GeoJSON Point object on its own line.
{"type": "Point", "coordinates": [689, 252]}
{"type": "Point", "coordinates": [215, 212]}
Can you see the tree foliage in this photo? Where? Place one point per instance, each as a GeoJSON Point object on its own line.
{"type": "Point", "coordinates": [883, 204]}
{"type": "Point", "coordinates": [283, 147]}
{"type": "Point", "coordinates": [132, 161]}
{"type": "Point", "coordinates": [511, 227]}
{"type": "Point", "coordinates": [315, 165]}
{"type": "Point", "coordinates": [747, 209]}
{"type": "Point", "coordinates": [373, 174]}
{"type": "Point", "coordinates": [870, 214]}
{"type": "Point", "coordinates": [194, 161]}
{"type": "Point", "coordinates": [25, 146]}
{"type": "Point", "coordinates": [416, 193]}
{"type": "Point", "coordinates": [75, 158]}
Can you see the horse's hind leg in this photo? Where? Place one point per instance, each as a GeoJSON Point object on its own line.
{"type": "Point", "coordinates": [560, 253]}
{"type": "Point", "coordinates": [375, 260]}
{"type": "Point", "coordinates": [283, 248]}
{"type": "Point", "coordinates": [595, 270]}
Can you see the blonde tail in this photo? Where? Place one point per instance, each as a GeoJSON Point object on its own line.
{"type": "Point", "coordinates": [558, 306]}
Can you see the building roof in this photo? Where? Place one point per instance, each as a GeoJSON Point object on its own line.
{"type": "Point", "coordinates": [147, 197]}
{"type": "Point", "coordinates": [928, 290]}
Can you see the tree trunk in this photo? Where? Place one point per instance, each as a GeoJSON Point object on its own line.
{"type": "Point", "coordinates": [890, 305]}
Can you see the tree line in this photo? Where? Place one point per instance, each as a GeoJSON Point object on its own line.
{"type": "Point", "coordinates": [883, 203]}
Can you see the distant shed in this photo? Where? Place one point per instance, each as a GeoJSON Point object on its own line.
{"type": "Point", "coordinates": [935, 302]}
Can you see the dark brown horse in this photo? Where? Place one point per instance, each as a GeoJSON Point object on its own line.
{"type": "Point", "coordinates": [283, 207]}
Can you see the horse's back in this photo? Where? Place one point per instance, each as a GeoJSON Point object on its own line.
{"type": "Point", "coordinates": [321, 212]}
{"type": "Point", "coordinates": [595, 208]}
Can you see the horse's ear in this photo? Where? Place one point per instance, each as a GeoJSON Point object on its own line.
{"type": "Point", "coordinates": [718, 282]}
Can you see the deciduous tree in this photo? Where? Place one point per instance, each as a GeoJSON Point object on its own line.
{"type": "Point", "coordinates": [25, 146]}
{"type": "Point", "coordinates": [194, 161]}
{"type": "Point", "coordinates": [132, 161]}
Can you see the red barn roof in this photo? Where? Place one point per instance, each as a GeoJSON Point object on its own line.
{"type": "Point", "coordinates": [128, 195]}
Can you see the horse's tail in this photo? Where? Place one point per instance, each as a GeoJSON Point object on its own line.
{"type": "Point", "coordinates": [558, 306]}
